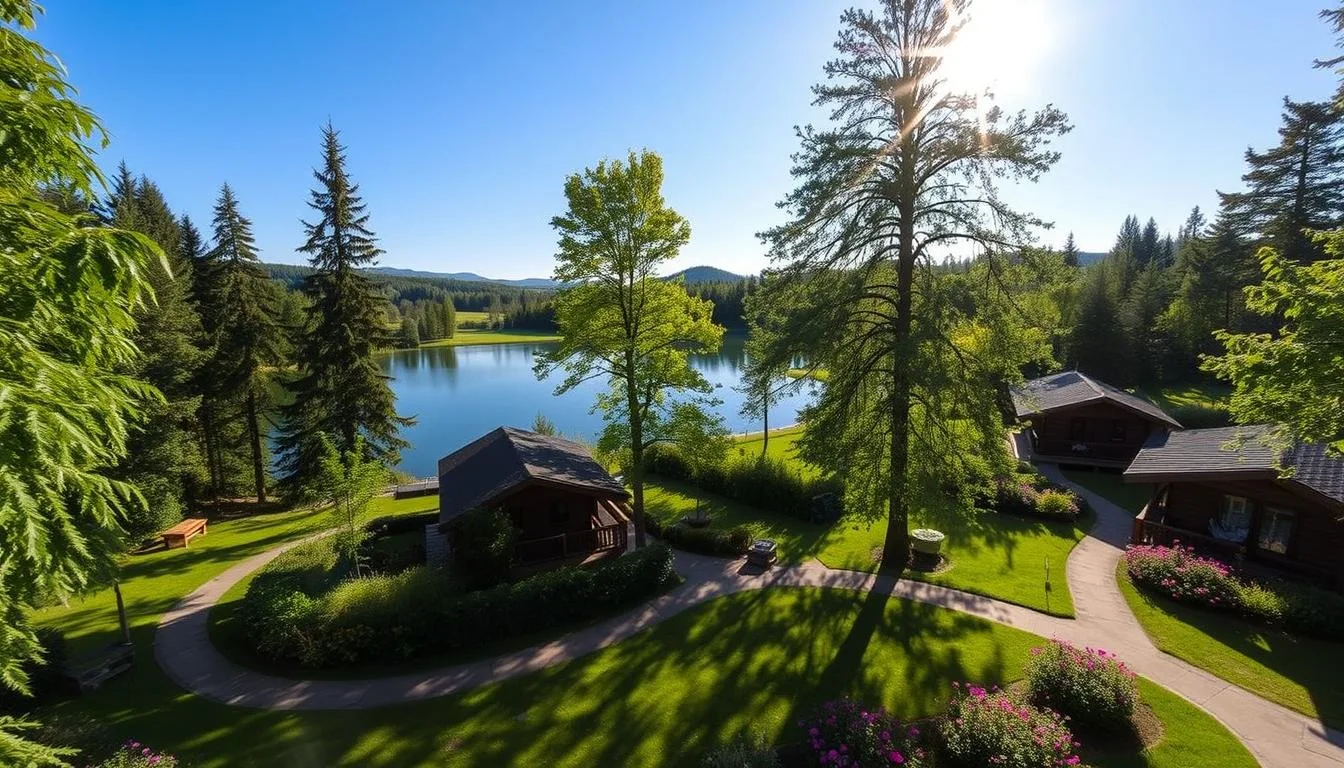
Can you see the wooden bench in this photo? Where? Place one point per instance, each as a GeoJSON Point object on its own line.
{"type": "Point", "coordinates": [91, 670]}
{"type": "Point", "coordinates": [183, 531]}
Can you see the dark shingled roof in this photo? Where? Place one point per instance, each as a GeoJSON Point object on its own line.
{"type": "Point", "coordinates": [1065, 390]}
{"type": "Point", "coordinates": [505, 459]}
{"type": "Point", "coordinates": [1244, 451]}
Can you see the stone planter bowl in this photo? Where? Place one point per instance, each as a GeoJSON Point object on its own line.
{"type": "Point", "coordinates": [927, 541]}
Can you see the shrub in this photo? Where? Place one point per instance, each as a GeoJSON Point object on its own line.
{"type": "Point", "coordinates": [1091, 686]}
{"type": "Point", "coordinates": [483, 542]}
{"type": "Point", "coordinates": [718, 542]}
{"type": "Point", "coordinates": [1294, 606]}
{"type": "Point", "coordinates": [394, 525]}
{"type": "Point", "coordinates": [843, 733]}
{"type": "Point", "coordinates": [758, 481]}
{"type": "Point", "coordinates": [1056, 503]}
{"type": "Point", "coordinates": [1031, 495]}
{"type": "Point", "coordinates": [416, 612]}
{"type": "Point", "coordinates": [742, 753]}
{"type": "Point", "coordinates": [983, 728]}
{"type": "Point", "coordinates": [133, 754]}
{"type": "Point", "coordinates": [46, 676]}
{"type": "Point", "coordinates": [1178, 573]}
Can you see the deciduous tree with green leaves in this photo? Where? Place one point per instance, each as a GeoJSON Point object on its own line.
{"type": "Point", "coordinates": [1295, 377]}
{"type": "Point", "coordinates": [349, 480]}
{"type": "Point", "coordinates": [619, 322]}
{"type": "Point", "coordinates": [68, 294]}
{"type": "Point", "coordinates": [904, 175]}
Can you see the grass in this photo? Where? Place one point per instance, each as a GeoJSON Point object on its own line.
{"type": "Point", "coordinates": [1194, 405]}
{"type": "Point", "coordinates": [1300, 673]}
{"type": "Point", "coordinates": [465, 338]}
{"type": "Point", "coordinates": [1130, 497]}
{"type": "Point", "coordinates": [751, 662]}
{"type": "Point", "coordinates": [999, 556]}
{"type": "Point", "coordinates": [820, 374]}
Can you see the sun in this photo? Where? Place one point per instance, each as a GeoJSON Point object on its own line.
{"type": "Point", "coordinates": [1000, 48]}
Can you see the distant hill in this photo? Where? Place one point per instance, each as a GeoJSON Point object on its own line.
{"type": "Point", "coordinates": [1086, 258]}
{"type": "Point", "coordinates": [466, 277]}
{"type": "Point", "coordinates": [694, 275]}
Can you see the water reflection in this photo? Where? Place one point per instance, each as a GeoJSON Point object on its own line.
{"type": "Point", "coordinates": [459, 393]}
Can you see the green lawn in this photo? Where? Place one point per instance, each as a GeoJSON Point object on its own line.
{"type": "Point", "coordinates": [752, 662]}
{"type": "Point", "coordinates": [1300, 673]}
{"type": "Point", "coordinates": [998, 556]}
{"type": "Point", "coordinates": [465, 338]}
{"type": "Point", "coordinates": [1131, 497]}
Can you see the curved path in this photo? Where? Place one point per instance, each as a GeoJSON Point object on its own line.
{"type": "Point", "coordinates": [1278, 737]}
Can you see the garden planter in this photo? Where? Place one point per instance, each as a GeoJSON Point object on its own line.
{"type": "Point", "coordinates": [927, 541]}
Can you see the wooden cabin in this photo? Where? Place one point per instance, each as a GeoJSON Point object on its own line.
{"type": "Point", "coordinates": [565, 506]}
{"type": "Point", "coordinates": [1071, 418]}
{"type": "Point", "coordinates": [1240, 493]}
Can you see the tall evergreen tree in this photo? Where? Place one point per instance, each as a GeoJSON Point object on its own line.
{"type": "Point", "coordinates": [246, 330]}
{"type": "Point", "coordinates": [1149, 245]}
{"type": "Point", "coordinates": [1192, 228]}
{"type": "Point", "coordinates": [1130, 237]}
{"type": "Point", "coordinates": [906, 166]}
{"type": "Point", "coordinates": [1070, 252]}
{"type": "Point", "coordinates": [1099, 344]}
{"type": "Point", "coordinates": [1214, 269]}
{"type": "Point", "coordinates": [164, 457]}
{"type": "Point", "coordinates": [1148, 297]}
{"type": "Point", "coordinates": [341, 390]}
{"type": "Point", "coordinates": [1295, 186]}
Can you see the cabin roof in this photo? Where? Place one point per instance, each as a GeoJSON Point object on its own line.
{"type": "Point", "coordinates": [1071, 388]}
{"type": "Point", "coordinates": [506, 458]}
{"type": "Point", "coordinates": [1238, 452]}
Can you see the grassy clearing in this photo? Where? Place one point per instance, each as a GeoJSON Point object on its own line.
{"type": "Point", "coordinates": [998, 556]}
{"type": "Point", "coordinates": [1300, 673]}
{"type": "Point", "coordinates": [465, 338]}
{"type": "Point", "coordinates": [752, 662]}
{"type": "Point", "coordinates": [1130, 497]}
{"type": "Point", "coordinates": [820, 374]}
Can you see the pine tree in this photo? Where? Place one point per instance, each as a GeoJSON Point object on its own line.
{"type": "Point", "coordinates": [341, 390]}
{"type": "Point", "coordinates": [246, 333]}
{"type": "Point", "coordinates": [1295, 186]}
{"type": "Point", "coordinates": [1147, 299]}
{"type": "Point", "coordinates": [164, 458]}
{"type": "Point", "coordinates": [449, 319]}
{"type": "Point", "coordinates": [1071, 252]}
{"type": "Point", "coordinates": [1099, 344]}
{"type": "Point", "coordinates": [1130, 236]}
{"type": "Point", "coordinates": [1146, 252]}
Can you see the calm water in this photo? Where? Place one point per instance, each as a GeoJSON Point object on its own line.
{"type": "Point", "coordinates": [458, 394]}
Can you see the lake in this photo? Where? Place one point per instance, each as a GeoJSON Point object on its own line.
{"type": "Point", "coordinates": [457, 394]}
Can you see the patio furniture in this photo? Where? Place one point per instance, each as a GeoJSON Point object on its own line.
{"type": "Point", "coordinates": [763, 553]}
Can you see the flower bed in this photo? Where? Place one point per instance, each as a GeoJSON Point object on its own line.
{"type": "Point", "coordinates": [416, 612]}
{"type": "Point", "coordinates": [1090, 686]}
{"type": "Point", "coordinates": [1177, 573]}
{"type": "Point", "coordinates": [844, 733]}
{"type": "Point", "coordinates": [133, 754]}
{"type": "Point", "coordinates": [1031, 495]}
{"type": "Point", "coordinates": [988, 728]}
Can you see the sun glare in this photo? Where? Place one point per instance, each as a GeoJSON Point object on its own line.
{"type": "Point", "coordinates": [1000, 47]}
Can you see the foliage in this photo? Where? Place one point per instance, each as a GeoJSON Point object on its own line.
{"type": "Point", "coordinates": [1294, 377]}
{"type": "Point", "coordinates": [1178, 573]}
{"type": "Point", "coordinates": [414, 612]}
{"type": "Point", "coordinates": [1032, 495]}
{"type": "Point", "coordinates": [844, 733]}
{"type": "Point", "coordinates": [742, 753]}
{"type": "Point", "coordinates": [1092, 687]}
{"type": "Point", "coordinates": [988, 728]}
{"type": "Point", "coordinates": [907, 168]}
{"type": "Point", "coordinates": [348, 481]}
{"type": "Point", "coordinates": [133, 754]}
{"type": "Point", "coordinates": [619, 322]}
{"type": "Point", "coordinates": [17, 749]}
{"type": "Point", "coordinates": [483, 541]}
{"type": "Point", "coordinates": [68, 296]}
{"type": "Point", "coordinates": [240, 315]}
{"type": "Point", "coordinates": [764, 482]}
{"type": "Point", "coordinates": [1297, 607]}
{"type": "Point", "coordinates": [341, 390]}
{"type": "Point", "coordinates": [45, 674]}
{"type": "Point", "coordinates": [718, 542]}
{"type": "Point", "coordinates": [544, 426]}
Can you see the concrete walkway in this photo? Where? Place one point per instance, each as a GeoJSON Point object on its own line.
{"type": "Point", "coordinates": [1278, 737]}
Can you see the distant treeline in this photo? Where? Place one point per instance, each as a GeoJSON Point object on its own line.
{"type": "Point", "coordinates": [729, 297]}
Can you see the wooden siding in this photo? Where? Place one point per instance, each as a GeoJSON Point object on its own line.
{"type": "Point", "coordinates": [1316, 544]}
{"type": "Point", "coordinates": [1052, 433]}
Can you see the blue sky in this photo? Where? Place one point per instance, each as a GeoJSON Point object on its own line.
{"type": "Point", "coordinates": [463, 118]}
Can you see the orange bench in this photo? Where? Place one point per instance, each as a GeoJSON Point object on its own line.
{"type": "Point", "coordinates": [181, 533]}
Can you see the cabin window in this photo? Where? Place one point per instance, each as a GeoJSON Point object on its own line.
{"type": "Point", "coordinates": [559, 513]}
{"type": "Point", "coordinates": [1078, 429]}
{"type": "Point", "coordinates": [1118, 430]}
{"type": "Point", "coordinates": [1236, 513]}
{"type": "Point", "coordinates": [1277, 530]}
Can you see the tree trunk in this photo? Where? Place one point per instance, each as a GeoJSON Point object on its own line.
{"type": "Point", "coordinates": [636, 449]}
{"type": "Point", "coordinates": [258, 470]}
{"type": "Point", "coordinates": [211, 450]}
{"type": "Point", "coordinates": [765, 436]}
{"type": "Point", "coordinates": [896, 547]}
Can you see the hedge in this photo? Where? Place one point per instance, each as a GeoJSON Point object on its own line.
{"type": "Point", "coordinates": [417, 612]}
{"type": "Point", "coordinates": [718, 542]}
{"type": "Point", "coordinates": [761, 482]}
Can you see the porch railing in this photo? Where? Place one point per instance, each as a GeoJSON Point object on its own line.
{"type": "Point", "coordinates": [603, 539]}
{"type": "Point", "coordinates": [1151, 532]}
